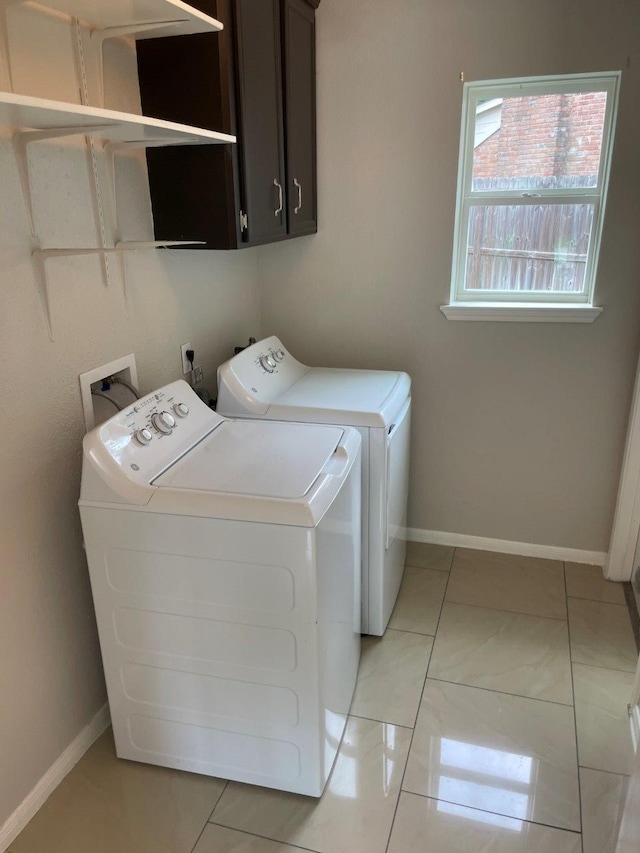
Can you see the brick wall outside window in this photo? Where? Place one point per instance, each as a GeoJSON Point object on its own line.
{"type": "Point", "coordinates": [544, 136]}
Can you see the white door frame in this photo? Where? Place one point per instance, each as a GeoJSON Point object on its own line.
{"type": "Point", "coordinates": [626, 521]}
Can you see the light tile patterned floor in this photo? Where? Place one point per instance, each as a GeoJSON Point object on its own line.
{"type": "Point", "coordinates": [463, 735]}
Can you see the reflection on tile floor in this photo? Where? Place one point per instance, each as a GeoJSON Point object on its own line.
{"type": "Point", "coordinates": [499, 753]}
{"type": "Point", "coordinates": [490, 765]}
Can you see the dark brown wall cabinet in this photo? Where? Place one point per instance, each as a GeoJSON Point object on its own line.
{"type": "Point", "coordinates": [255, 79]}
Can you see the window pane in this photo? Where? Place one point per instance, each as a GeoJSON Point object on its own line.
{"type": "Point", "coordinates": [539, 247]}
{"type": "Point", "coordinates": [538, 142]}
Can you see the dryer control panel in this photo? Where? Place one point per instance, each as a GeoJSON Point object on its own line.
{"type": "Point", "coordinates": [258, 376]}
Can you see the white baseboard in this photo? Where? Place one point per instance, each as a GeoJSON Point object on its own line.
{"type": "Point", "coordinates": [505, 546]}
{"type": "Point", "coordinates": [17, 821]}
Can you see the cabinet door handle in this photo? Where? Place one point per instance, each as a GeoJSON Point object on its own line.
{"type": "Point", "coordinates": [278, 185]}
{"type": "Point", "coordinates": [298, 186]}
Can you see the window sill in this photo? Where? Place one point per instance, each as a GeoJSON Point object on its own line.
{"type": "Point", "coordinates": [514, 312]}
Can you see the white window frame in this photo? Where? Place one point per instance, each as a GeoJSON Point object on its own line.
{"type": "Point", "coordinates": [528, 305]}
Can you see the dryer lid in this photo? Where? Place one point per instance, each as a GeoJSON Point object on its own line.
{"type": "Point", "coordinates": [356, 397]}
{"type": "Point", "coordinates": [261, 459]}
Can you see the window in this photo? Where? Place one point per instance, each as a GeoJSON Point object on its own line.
{"type": "Point", "coordinates": [533, 171]}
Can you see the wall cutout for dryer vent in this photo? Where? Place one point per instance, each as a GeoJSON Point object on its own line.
{"type": "Point", "coordinates": [98, 409]}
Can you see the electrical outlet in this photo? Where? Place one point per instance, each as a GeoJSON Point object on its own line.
{"type": "Point", "coordinates": [198, 374]}
{"type": "Point", "coordinates": [186, 364]}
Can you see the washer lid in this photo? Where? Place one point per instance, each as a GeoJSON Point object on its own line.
{"type": "Point", "coordinates": [356, 397]}
{"type": "Point", "coordinates": [255, 458]}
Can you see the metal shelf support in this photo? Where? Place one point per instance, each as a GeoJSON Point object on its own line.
{"type": "Point", "coordinates": [40, 256]}
{"type": "Point", "coordinates": [99, 36]}
{"type": "Point", "coordinates": [21, 140]}
{"type": "Point", "coordinates": [4, 34]}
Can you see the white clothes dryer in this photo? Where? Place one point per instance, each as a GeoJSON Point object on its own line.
{"type": "Point", "coordinates": [224, 559]}
{"type": "Point", "coordinates": [265, 381]}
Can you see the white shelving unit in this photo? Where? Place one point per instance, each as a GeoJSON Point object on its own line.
{"type": "Point", "coordinates": [141, 19]}
{"type": "Point", "coordinates": [108, 131]}
{"type": "Point", "coordinates": [172, 17]}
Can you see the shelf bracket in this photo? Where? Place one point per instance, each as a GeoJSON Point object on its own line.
{"type": "Point", "coordinates": [99, 36]}
{"type": "Point", "coordinates": [42, 286]}
{"type": "Point", "coordinates": [4, 34]}
{"type": "Point", "coordinates": [126, 246]}
{"type": "Point", "coordinates": [113, 148]}
{"type": "Point", "coordinates": [136, 245]}
{"type": "Point", "coordinates": [40, 256]}
{"type": "Point", "coordinates": [21, 140]}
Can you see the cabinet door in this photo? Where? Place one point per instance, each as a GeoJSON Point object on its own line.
{"type": "Point", "coordinates": [261, 118]}
{"type": "Point", "coordinates": [300, 115]}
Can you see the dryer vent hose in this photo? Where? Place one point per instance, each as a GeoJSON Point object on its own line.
{"type": "Point", "coordinates": [236, 350]}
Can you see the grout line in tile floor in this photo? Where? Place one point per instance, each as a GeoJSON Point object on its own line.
{"type": "Point", "coordinates": [382, 722]}
{"type": "Point", "coordinates": [406, 631]}
{"type": "Point", "coordinates": [429, 569]}
{"type": "Point", "coordinates": [206, 823]}
{"type": "Point", "coordinates": [257, 835]}
{"type": "Point", "coordinates": [500, 814]}
{"type": "Point", "coordinates": [597, 601]}
{"type": "Point", "coordinates": [426, 676]}
{"type": "Point", "coordinates": [442, 603]}
{"type": "Point", "coordinates": [598, 770]}
{"type": "Point", "coordinates": [597, 666]}
{"type": "Point", "coordinates": [575, 717]}
{"type": "Point", "coordinates": [503, 610]}
{"type": "Point", "coordinates": [502, 692]}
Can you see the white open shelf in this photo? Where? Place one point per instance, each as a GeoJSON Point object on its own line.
{"type": "Point", "coordinates": [172, 17]}
{"type": "Point", "coordinates": [23, 112]}
{"type": "Point", "coordinates": [36, 119]}
{"type": "Point", "coordinates": [107, 19]}
{"type": "Point", "coordinates": [108, 132]}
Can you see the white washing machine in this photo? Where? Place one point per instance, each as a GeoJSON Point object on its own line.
{"type": "Point", "coordinates": [265, 381]}
{"type": "Point", "coordinates": [225, 566]}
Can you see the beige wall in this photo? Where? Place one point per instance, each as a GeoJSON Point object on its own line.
{"type": "Point", "coordinates": [51, 681]}
{"type": "Point", "coordinates": [518, 428]}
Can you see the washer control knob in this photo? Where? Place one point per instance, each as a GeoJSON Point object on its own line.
{"type": "Point", "coordinates": [181, 409]}
{"type": "Point", "coordinates": [143, 436]}
{"type": "Point", "coordinates": [164, 422]}
{"type": "Point", "coordinates": [278, 354]}
{"type": "Point", "coordinates": [268, 363]}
